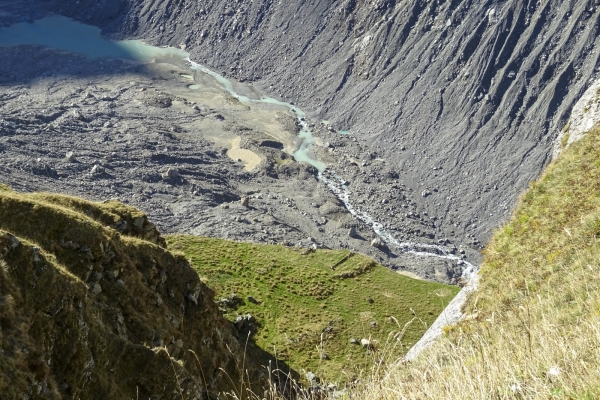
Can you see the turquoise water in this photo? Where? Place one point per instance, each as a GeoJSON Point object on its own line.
{"type": "Point", "coordinates": [303, 152]}
{"type": "Point", "coordinates": [65, 34]}
{"type": "Point", "coordinates": [326, 123]}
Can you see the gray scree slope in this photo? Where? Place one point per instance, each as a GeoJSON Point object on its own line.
{"type": "Point", "coordinates": [463, 97]}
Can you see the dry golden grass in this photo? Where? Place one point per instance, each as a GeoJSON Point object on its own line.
{"type": "Point", "coordinates": [535, 331]}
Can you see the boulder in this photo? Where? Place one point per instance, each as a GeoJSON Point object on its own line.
{"type": "Point", "coordinates": [377, 243]}
{"type": "Point", "coordinates": [78, 115]}
{"type": "Point", "coordinates": [171, 173]}
{"type": "Point", "coordinates": [95, 288]}
{"type": "Point", "coordinates": [233, 301]}
{"type": "Point", "coordinates": [112, 274]}
{"type": "Point", "coordinates": [12, 241]}
{"type": "Point", "coordinates": [312, 378]}
{"type": "Point", "coordinates": [70, 157]}
{"type": "Point", "coordinates": [245, 324]}
{"type": "Point", "coordinates": [190, 297]}
{"type": "Point", "coordinates": [138, 222]}
{"type": "Point", "coordinates": [97, 170]}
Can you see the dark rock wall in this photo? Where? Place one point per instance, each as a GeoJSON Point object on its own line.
{"type": "Point", "coordinates": [477, 94]}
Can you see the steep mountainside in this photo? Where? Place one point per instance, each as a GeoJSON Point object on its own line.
{"type": "Point", "coordinates": [533, 330]}
{"type": "Point", "coordinates": [475, 92]}
{"type": "Point", "coordinates": [93, 306]}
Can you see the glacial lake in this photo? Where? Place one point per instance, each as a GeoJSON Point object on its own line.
{"type": "Point", "coordinates": [65, 34]}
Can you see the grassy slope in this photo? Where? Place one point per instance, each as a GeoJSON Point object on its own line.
{"type": "Point", "coordinates": [535, 325]}
{"type": "Point", "coordinates": [88, 311]}
{"type": "Point", "coordinates": [307, 309]}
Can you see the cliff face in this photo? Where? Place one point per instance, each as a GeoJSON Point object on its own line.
{"type": "Point", "coordinates": [474, 91]}
{"type": "Point", "coordinates": [93, 306]}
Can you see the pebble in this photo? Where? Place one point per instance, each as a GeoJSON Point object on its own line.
{"type": "Point", "coordinates": [97, 170]}
{"type": "Point", "coordinates": [70, 157]}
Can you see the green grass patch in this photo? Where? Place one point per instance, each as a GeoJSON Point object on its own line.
{"type": "Point", "coordinates": [556, 222]}
{"type": "Point", "coordinates": [307, 309]}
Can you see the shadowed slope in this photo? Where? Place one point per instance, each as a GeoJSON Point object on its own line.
{"type": "Point", "coordinates": [89, 312]}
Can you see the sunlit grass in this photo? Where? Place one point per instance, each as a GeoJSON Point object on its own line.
{"type": "Point", "coordinates": [535, 326]}
{"type": "Point", "coordinates": [308, 312]}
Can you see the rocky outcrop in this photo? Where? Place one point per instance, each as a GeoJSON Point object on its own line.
{"type": "Point", "coordinates": [93, 306]}
{"type": "Point", "coordinates": [585, 114]}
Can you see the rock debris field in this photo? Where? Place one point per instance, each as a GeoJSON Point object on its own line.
{"type": "Point", "coordinates": [114, 129]}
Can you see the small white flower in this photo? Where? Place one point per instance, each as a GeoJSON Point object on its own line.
{"type": "Point", "coordinates": [515, 387]}
{"type": "Point", "coordinates": [554, 371]}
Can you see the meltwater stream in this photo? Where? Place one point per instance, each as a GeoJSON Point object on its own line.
{"type": "Point", "coordinates": [65, 34]}
{"type": "Point", "coordinates": [336, 184]}
{"type": "Point", "coordinates": [302, 153]}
